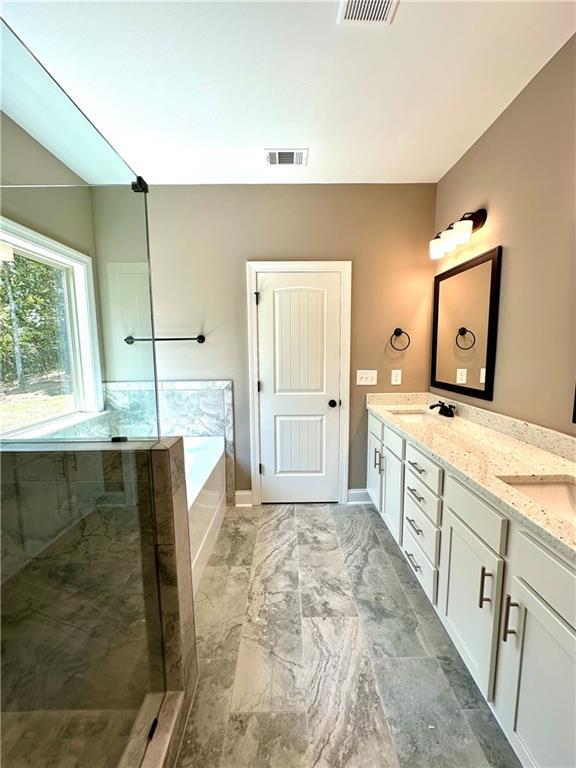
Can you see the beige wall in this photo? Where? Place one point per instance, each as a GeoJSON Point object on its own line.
{"type": "Point", "coordinates": [523, 171]}
{"type": "Point", "coordinates": [201, 238]}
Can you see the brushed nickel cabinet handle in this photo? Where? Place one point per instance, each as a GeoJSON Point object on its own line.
{"type": "Point", "coordinates": [506, 630]}
{"type": "Point", "coordinates": [382, 463]}
{"type": "Point", "coordinates": [416, 495]}
{"type": "Point", "coordinates": [414, 527]}
{"type": "Point", "coordinates": [412, 561]}
{"type": "Point", "coordinates": [416, 467]}
{"type": "Point", "coordinates": [376, 460]}
{"type": "Point", "coordinates": [483, 576]}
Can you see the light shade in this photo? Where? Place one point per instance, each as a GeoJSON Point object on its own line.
{"type": "Point", "coordinates": [437, 249]}
{"type": "Point", "coordinates": [448, 240]}
{"type": "Point", "coordinates": [462, 231]}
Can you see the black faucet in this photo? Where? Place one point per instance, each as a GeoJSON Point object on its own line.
{"type": "Point", "coordinates": [445, 410]}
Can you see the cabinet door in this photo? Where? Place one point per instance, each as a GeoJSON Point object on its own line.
{"type": "Point", "coordinates": [469, 604]}
{"type": "Point", "coordinates": [536, 686]}
{"type": "Point", "coordinates": [393, 493]}
{"type": "Point", "coordinates": [373, 472]}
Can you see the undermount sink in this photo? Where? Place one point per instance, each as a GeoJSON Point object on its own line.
{"type": "Point", "coordinates": [557, 495]}
{"type": "Point", "coordinates": [417, 417]}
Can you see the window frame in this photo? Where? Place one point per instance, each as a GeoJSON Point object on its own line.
{"type": "Point", "coordinates": [81, 299]}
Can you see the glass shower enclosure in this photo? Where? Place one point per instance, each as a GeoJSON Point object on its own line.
{"type": "Point", "coordinates": [82, 658]}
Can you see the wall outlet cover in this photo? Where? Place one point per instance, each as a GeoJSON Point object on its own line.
{"type": "Point", "coordinates": [366, 378]}
{"type": "Point", "coordinates": [396, 376]}
{"type": "Point", "coordinates": [482, 375]}
{"type": "Point", "coordinates": [461, 375]}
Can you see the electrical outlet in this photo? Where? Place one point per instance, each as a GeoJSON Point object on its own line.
{"type": "Point", "coordinates": [461, 375]}
{"type": "Point", "coordinates": [482, 375]}
{"type": "Point", "coordinates": [366, 378]}
{"type": "Point", "coordinates": [396, 376]}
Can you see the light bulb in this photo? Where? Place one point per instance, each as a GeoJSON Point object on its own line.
{"type": "Point", "coordinates": [462, 231]}
{"type": "Point", "coordinates": [6, 252]}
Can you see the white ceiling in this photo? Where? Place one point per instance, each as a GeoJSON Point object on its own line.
{"type": "Point", "coordinates": [192, 93]}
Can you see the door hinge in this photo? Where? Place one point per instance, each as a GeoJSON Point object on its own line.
{"type": "Point", "coordinates": [257, 297]}
{"type": "Point", "coordinates": [261, 468]}
{"type": "Point", "coordinates": [259, 386]}
{"type": "Point", "coordinates": [152, 730]}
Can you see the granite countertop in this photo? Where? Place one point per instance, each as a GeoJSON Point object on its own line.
{"type": "Point", "coordinates": [480, 457]}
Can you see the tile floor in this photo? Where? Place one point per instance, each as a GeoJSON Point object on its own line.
{"type": "Point", "coordinates": [318, 648]}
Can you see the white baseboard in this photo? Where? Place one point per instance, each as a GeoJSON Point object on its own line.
{"type": "Point", "coordinates": [243, 498]}
{"type": "Point", "coordinates": [358, 496]}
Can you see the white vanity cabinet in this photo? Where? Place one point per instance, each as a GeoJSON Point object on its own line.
{"type": "Point", "coordinates": [469, 602]}
{"type": "Point", "coordinates": [393, 492]}
{"type": "Point", "coordinates": [535, 698]}
{"type": "Point", "coordinates": [374, 470]}
{"type": "Point", "coordinates": [385, 474]}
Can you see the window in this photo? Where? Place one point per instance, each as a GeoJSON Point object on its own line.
{"type": "Point", "coordinates": [49, 361]}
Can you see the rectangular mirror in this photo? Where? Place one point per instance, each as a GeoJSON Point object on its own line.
{"type": "Point", "coordinates": [465, 326]}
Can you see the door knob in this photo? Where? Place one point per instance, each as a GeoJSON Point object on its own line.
{"type": "Point", "coordinates": [332, 403]}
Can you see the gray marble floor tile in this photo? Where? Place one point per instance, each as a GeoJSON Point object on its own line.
{"type": "Point", "coordinates": [346, 722]}
{"type": "Point", "coordinates": [235, 542]}
{"type": "Point", "coordinates": [497, 750]}
{"type": "Point", "coordinates": [275, 563]}
{"type": "Point", "coordinates": [204, 734]}
{"type": "Point", "coordinates": [220, 607]}
{"type": "Point", "coordinates": [464, 687]}
{"type": "Point", "coordinates": [317, 540]}
{"type": "Point", "coordinates": [263, 740]}
{"type": "Point", "coordinates": [325, 592]}
{"type": "Point", "coordinates": [434, 636]}
{"type": "Point", "coordinates": [269, 675]}
{"type": "Point", "coordinates": [428, 726]}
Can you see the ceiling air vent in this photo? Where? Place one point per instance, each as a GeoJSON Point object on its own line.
{"type": "Point", "coordinates": [287, 156]}
{"type": "Point", "coordinates": [367, 11]}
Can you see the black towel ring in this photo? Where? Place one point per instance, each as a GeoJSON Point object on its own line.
{"type": "Point", "coordinates": [397, 333]}
{"type": "Point", "coordinates": [461, 333]}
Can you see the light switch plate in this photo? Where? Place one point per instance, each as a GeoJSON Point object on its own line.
{"type": "Point", "coordinates": [366, 378]}
{"type": "Point", "coordinates": [482, 375]}
{"type": "Point", "coordinates": [461, 375]}
{"type": "Point", "coordinates": [396, 376]}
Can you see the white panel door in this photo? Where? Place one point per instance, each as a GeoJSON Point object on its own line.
{"type": "Point", "coordinates": [299, 372]}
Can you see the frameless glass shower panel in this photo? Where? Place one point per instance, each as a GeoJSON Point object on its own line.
{"type": "Point", "coordinates": [82, 664]}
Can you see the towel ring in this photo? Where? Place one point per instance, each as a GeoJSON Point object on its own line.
{"type": "Point", "coordinates": [461, 333]}
{"type": "Point", "coordinates": [397, 333]}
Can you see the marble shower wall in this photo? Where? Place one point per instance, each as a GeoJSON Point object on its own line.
{"type": "Point", "coordinates": [186, 408]}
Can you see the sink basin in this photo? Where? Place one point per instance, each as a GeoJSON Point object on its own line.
{"type": "Point", "coordinates": [416, 417]}
{"type": "Point", "coordinates": [557, 495]}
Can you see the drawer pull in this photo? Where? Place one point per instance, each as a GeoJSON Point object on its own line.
{"type": "Point", "coordinates": [416, 467]}
{"type": "Point", "coordinates": [414, 527]}
{"type": "Point", "coordinates": [412, 561]}
{"type": "Point", "coordinates": [483, 576]}
{"type": "Point", "coordinates": [376, 458]}
{"type": "Point", "coordinates": [507, 631]}
{"type": "Point", "coordinates": [416, 495]}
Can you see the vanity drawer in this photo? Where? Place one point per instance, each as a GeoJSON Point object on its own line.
{"type": "Point", "coordinates": [422, 529]}
{"type": "Point", "coordinates": [488, 524]}
{"type": "Point", "coordinates": [375, 426]}
{"type": "Point", "coordinates": [426, 574]}
{"type": "Point", "coordinates": [552, 579]}
{"type": "Point", "coordinates": [423, 496]}
{"type": "Point", "coordinates": [394, 442]}
{"type": "Point", "coordinates": [429, 472]}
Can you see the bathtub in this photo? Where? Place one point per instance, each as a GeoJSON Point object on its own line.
{"type": "Point", "coordinates": [205, 468]}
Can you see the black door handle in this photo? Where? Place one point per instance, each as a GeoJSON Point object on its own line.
{"type": "Point", "coordinates": [332, 403]}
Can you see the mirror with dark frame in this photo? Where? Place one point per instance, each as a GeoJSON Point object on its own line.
{"type": "Point", "coordinates": [465, 326]}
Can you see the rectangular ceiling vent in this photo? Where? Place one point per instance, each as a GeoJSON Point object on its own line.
{"type": "Point", "coordinates": [367, 11]}
{"type": "Point", "coordinates": [287, 156]}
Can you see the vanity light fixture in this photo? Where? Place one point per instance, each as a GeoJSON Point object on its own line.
{"type": "Point", "coordinates": [458, 233]}
{"type": "Point", "coordinates": [6, 252]}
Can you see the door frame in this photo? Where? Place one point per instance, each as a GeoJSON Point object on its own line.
{"type": "Point", "coordinates": [253, 268]}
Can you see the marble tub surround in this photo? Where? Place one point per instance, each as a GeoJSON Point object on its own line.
{"type": "Point", "coordinates": [292, 674]}
{"type": "Point", "coordinates": [479, 457]}
{"type": "Point", "coordinates": [187, 408]}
